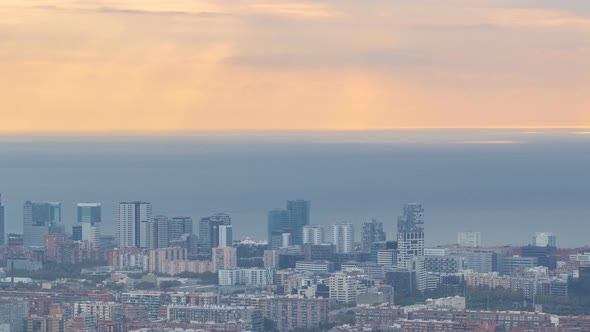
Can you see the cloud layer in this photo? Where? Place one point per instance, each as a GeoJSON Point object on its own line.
{"type": "Point", "coordinates": [98, 65]}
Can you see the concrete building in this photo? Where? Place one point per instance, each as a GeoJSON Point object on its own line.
{"type": "Point", "coordinates": [313, 234]}
{"type": "Point", "coordinates": [343, 237]}
{"type": "Point", "coordinates": [226, 238]}
{"type": "Point", "coordinates": [209, 232]}
{"type": "Point", "coordinates": [150, 300]}
{"type": "Point", "coordinates": [469, 239]}
{"type": "Point", "coordinates": [514, 264]}
{"type": "Point", "coordinates": [133, 221]}
{"type": "Point", "coordinates": [315, 266]}
{"type": "Point", "coordinates": [158, 232]}
{"type": "Point", "coordinates": [271, 259]}
{"type": "Point", "coordinates": [410, 234]}
{"type": "Point", "coordinates": [248, 277]}
{"type": "Point", "coordinates": [251, 317]}
{"type": "Point", "coordinates": [296, 312]}
{"type": "Point", "coordinates": [224, 258]}
{"type": "Point", "coordinates": [345, 288]}
{"type": "Point", "coordinates": [13, 313]}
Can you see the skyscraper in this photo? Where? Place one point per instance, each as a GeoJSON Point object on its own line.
{"type": "Point", "coordinates": [278, 223]}
{"type": "Point", "coordinates": [298, 217]}
{"type": "Point", "coordinates": [225, 236]}
{"type": "Point", "coordinates": [410, 234]}
{"type": "Point", "coordinates": [209, 232]}
{"type": "Point", "coordinates": [313, 234]}
{"type": "Point", "coordinates": [2, 223]}
{"type": "Point", "coordinates": [177, 226]}
{"type": "Point", "coordinates": [38, 218]}
{"type": "Point", "coordinates": [89, 213]}
{"type": "Point", "coordinates": [134, 220]}
{"type": "Point", "coordinates": [158, 229]}
{"type": "Point", "coordinates": [544, 239]}
{"type": "Point", "coordinates": [372, 232]}
{"type": "Point", "coordinates": [343, 237]}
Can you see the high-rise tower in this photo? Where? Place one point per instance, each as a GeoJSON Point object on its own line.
{"type": "Point", "coordinates": [372, 232]}
{"type": "Point", "coordinates": [134, 218]}
{"type": "Point", "coordinates": [410, 234]}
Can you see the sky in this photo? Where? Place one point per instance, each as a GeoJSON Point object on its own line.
{"type": "Point", "coordinates": [156, 65]}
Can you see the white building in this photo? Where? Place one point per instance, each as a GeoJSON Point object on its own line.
{"type": "Point", "coordinates": [134, 219]}
{"type": "Point", "coordinates": [225, 235]}
{"type": "Point", "coordinates": [254, 277]}
{"type": "Point", "coordinates": [436, 251]}
{"type": "Point", "coordinates": [582, 258]}
{"type": "Point", "coordinates": [313, 234]}
{"type": "Point", "coordinates": [386, 258]}
{"type": "Point", "coordinates": [343, 237]}
{"type": "Point", "coordinates": [410, 234]}
{"type": "Point", "coordinates": [469, 239]}
{"type": "Point", "coordinates": [345, 288]}
{"type": "Point", "coordinates": [544, 239]}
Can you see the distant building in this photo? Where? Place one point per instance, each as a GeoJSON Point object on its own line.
{"type": "Point", "coordinates": [546, 255]}
{"type": "Point", "coordinates": [318, 252]}
{"type": "Point", "coordinates": [372, 232]}
{"type": "Point", "coordinates": [469, 239]}
{"type": "Point", "coordinates": [410, 233]}
{"type": "Point", "coordinates": [295, 312]}
{"type": "Point", "coordinates": [224, 258]}
{"type": "Point", "coordinates": [2, 223]}
{"type": "Point", "coordinates": [38, 218]}
{"type": "Point", "coordinates": [90, 213]}
{"type": "Point", "coordinates": [158, 232]}
{"type": "Point", "coordinates": [544, 239]}
{"type": "Point", "coordinates": [278, 223]}
{"type": "Point", "coordinates": [225, 236]}
{"type": "Point", "coordinates": [513, 264]}
{"type": "Point", "coordinates": [134, 218]}
{"type": "Point", "coordinates": [14, 313]}
{"type": "Point", "coordinates": [313, 234]}
{"type": "Point", "coordinates": [315, 266]}
{"type": "Point", "coordinates": [178, 226]}
{"type": "Point", "coordinates": [209, 232]}
{"type": "Point", "coordinates": [247, 277]}
{"type": "Point", "coordinates": [251, 317]}
{"type": "Point", "coordinates": [343, 237]}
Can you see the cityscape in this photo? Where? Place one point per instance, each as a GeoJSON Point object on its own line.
{"type": "Point", "coordinates": [294, 165]}
{"type": "Point", "coordinates": [162, 273]}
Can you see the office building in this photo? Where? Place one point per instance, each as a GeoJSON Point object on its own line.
{"type": "Point", "coordinates": [444, 264]}
{"type": "Point", "coordinates": [150, 300]}
{"type": "Point", "coordinates": [271, 259]}
{"type": "Point", "coordinates": [315, 266]}
{"type": "Point", "coordinates": [298, 218]}
{"type": "Point", "coordinates": [38, 219]}
{"type": "Point", "coordinates": [544, 239]}
{"type": "Point", "coordinates": [469, 239]}
{"type": "Point", "coordinates": [2, 223]}
{"type": "Point", "coordinates": [546, 255]}
{"type": "Point", "coordinates": [158, 232]}
{"type": "Point", "coordinates": [225, 236]}
{"type": "Point", "coordinates": [209, 232]}
{"type": "Point", "coordinates": [343, 237]}
{"type": "Point", "coordinates": [296, 312]}
{"type": "Point", "coordinates": [410, 233]}
{"type": "Point", "coordinates": [89, 213]}
{"type": "Point", "coordinates": [515, 264]}
{"type": "Point", "coordinates": [134, 219]}
{"type": "Point", "coordinates": [313, 234]}
{"type": "Point", "coordinates": [372, 232]}
{"type": "Point", "coordinates": [178, 226]}
{"type": "Point", "coordinates": [224, 258]}
{"type": "Point", "coordinates": [278, 223]}
{"type": "Point", "coordinates": [318, 252]}
{"type": "Point", "coordinates": [386, 258]}
{"type": "Point", "coordinates": [478, 260]}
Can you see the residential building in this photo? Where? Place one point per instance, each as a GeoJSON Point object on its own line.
{"type": "Point", "coordinates": [250, 317]}
{"type": "Point", "coordinates": [14, 312]}
{"type": "Point", "coordinates": [133, 221]}
{"type": "Point", "coordinates": [296, 312]}
{"type": "Point", "coordinates": [313, 234]}
{"type": "Point", "coordinates": [343, 237]}
{"type": "Point", "coordinates": [345, 288]}
{"type": "Point", "coordinates": [247, 277]}
{"type": "Point", "coordinates": [315, 266]}
{"type": "Point", "coordinates": [224, 258]}
{"type": "Point", "coordinates": [158, 230]}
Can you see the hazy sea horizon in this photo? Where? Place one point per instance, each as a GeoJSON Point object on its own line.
{"type": "Point", "coordinates": [506, 183]}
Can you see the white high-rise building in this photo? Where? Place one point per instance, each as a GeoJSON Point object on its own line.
{"type": "Point", "coordinates": [225, 235]}
{"type": "Point", "coordinates": [343, 237]}
{"type": "Point", "coordinates": [469, 239]}
{"type": "Point", "coordinates": [544, 239]}
{"type": "Point", "coordinates": [410, 234]}
{"type": "Point", "coordinates": [134, 218]}
{"type": "Point", "coordinates": [313, 234]}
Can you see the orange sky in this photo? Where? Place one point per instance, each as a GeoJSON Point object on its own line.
{"type": "Point", "coordinates": [122, 65]}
